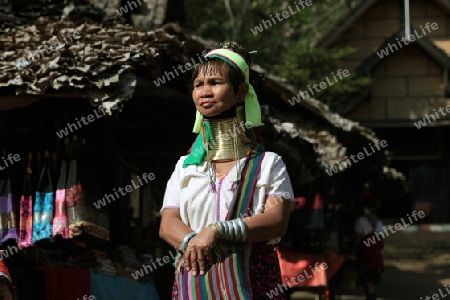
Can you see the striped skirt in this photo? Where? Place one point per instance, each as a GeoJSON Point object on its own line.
{"type": "Point", "coordinates": [251, 272]}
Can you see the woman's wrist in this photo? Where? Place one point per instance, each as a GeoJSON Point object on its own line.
{"type": "Point", "coordinates": [186, 239]}
{"type": "Point", "coordinates": [232, 231]}
{"type": "Point", "coordinates": [216, 230]}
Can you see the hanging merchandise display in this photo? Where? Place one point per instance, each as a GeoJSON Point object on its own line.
{"type": "Point", "coordinates": [26, 209]}
{"type": "Point", "coordinates": [82, 217]}
{"type": "Point", "coordinates": [43, 204]}
{"type": "Point", "coordinates": [49, 226]}
{"type": "Point", "coordinates": [8, 229]}
{"type": "Point", "coordinates": [60, 221]}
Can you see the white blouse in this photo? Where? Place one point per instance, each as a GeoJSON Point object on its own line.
{"type": "Point", "coordinates": [189, 190]}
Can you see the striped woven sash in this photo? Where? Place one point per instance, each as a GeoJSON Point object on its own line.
{"type": "Point", "coordinates": [229, 276]}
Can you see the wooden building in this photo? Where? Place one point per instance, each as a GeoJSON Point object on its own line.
{"type": "Point", "coordinates": [409, 92]}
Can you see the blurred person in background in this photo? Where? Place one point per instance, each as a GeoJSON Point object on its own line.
{"type": "Point", "coordinates": [369, 245]}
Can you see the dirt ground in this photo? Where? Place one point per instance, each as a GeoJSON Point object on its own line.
{"type": "Point", "coordinates": [405, 280]}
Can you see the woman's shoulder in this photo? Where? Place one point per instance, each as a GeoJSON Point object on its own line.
{"type": "Point", "coordinates": [179, 163]}
{"type": "Point", "coordinates": [272, 158]}
{"type": "Point", "coordinates": [182, 158]}
{"type": "Point", "coordinates": [271, 154]}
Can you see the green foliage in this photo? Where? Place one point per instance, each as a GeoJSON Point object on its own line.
{"type": "Point", "coordinates": [287, 47]}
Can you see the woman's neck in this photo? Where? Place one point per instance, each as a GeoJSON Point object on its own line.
{"type": "Point", "coordinates": [228, 140]}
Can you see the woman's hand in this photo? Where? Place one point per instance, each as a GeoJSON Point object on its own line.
{"type": "Point", "coordinates": [197, 257]}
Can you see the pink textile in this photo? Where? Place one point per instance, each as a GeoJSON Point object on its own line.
{"type": "Point", "coordinates": [298, 265]}
{"type": "Point", "coordinates": [318, 202]}
{"type": "Point", "coordinates": [299, 202]}
{"type": "Point", "coordinates": [60, 221]}
{"type": "Point", "coordinates": [311, 266]}
{"type": "Point", "coordinates": [26, 221]}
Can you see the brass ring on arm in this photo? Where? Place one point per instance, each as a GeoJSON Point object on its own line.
{"type": "Point", "coordinates": [243, 229]}
{"type": "Point", "coordinates": [236, 231]}
{"type": "Point", "coordinates": [231, 235]}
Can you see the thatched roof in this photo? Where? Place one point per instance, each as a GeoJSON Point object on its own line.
{"type": "Point", "coordinates": [101, 64]}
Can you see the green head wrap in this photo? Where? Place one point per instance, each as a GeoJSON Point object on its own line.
{"type": "Point", "coordinates": [252, 108]}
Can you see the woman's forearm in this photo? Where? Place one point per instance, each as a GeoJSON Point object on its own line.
{"type": "Point", "coordinates": [262, 227]}
{"type": "Point", "coordinates": [271, 224]}
{"type": "Point", "coordinates": [265, 227]}
{"type": "Point", "coordinates": [172, 229]}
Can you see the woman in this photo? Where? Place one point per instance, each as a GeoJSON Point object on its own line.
{"type": "Point", "coordinates": [227, 202]}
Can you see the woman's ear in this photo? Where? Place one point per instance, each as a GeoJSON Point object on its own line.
{"type": "Point", "coordinates": [243, 90]}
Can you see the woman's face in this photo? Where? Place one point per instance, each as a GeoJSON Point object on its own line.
{"type": "Point", "coordinates": [213, 92]}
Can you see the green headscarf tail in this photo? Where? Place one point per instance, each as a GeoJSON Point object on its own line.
{"type": "Point", "coordinates": [198, 150]}
{"type": "Point", "coordinates": [252, 108]}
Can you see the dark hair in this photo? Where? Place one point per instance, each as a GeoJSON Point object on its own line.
{"type": "Point", "coordinates": [212, 65]}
